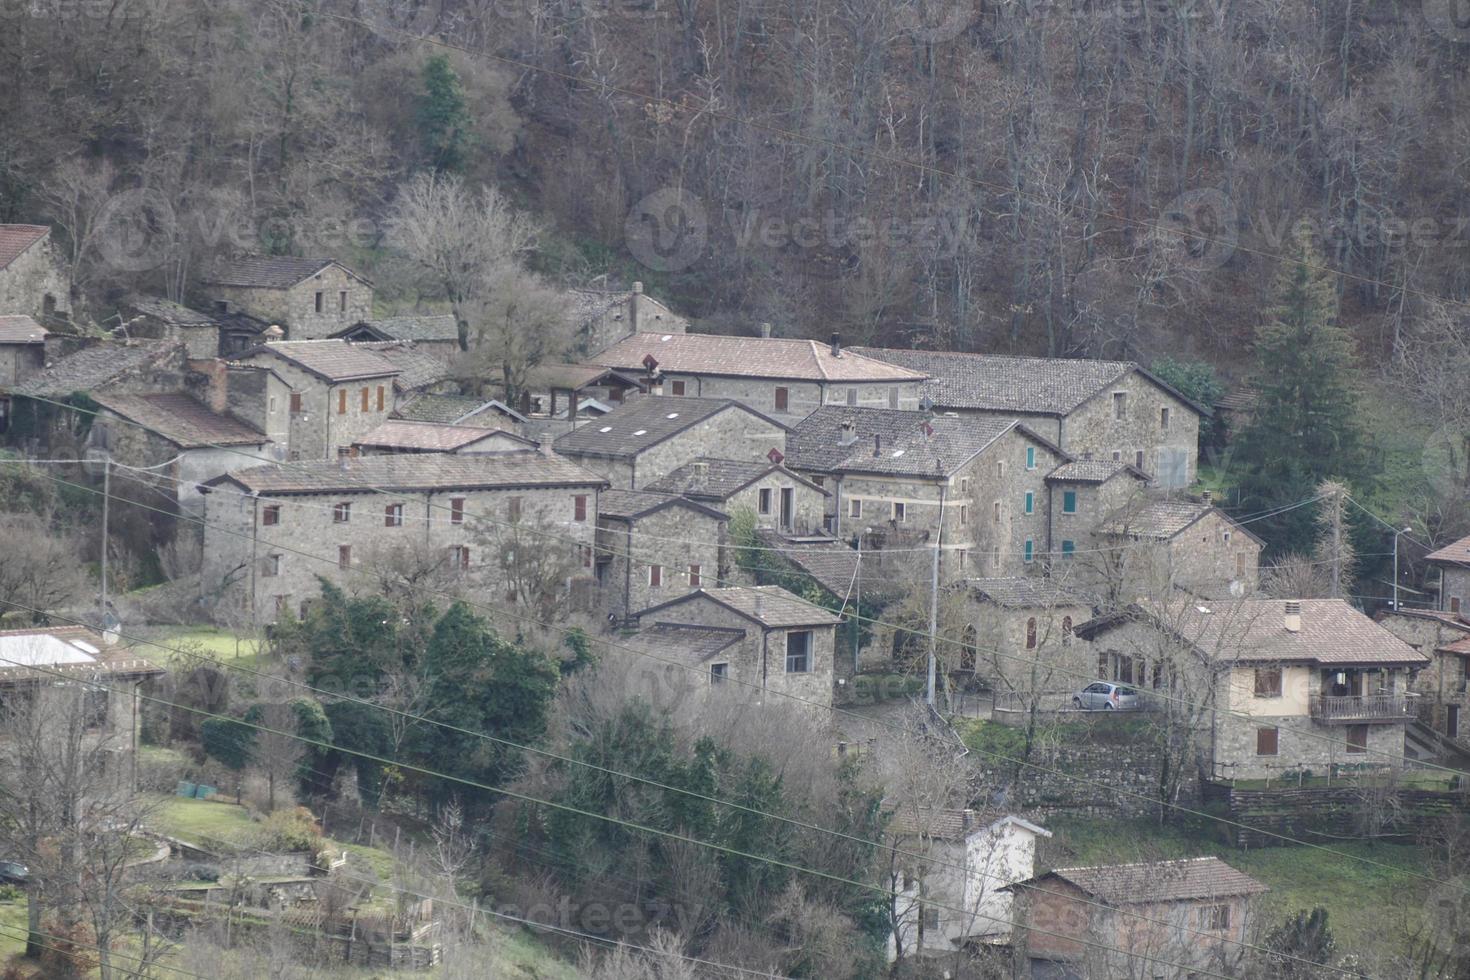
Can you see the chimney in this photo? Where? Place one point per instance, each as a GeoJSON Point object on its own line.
{"type": "Point", "coordinates": [637, 287]}
{"type": "Point", "coordinates": [877, 444]}
{"type": "Point", "coordinates": [836, 344]}
{"type": "Point", "coordinates": [633, 306]}
{"type": "Point", "coordinates": [701, 468]}
{"type": "Point", "coordinates": [1293, 621]}
{"type": "Point", "coordinates": [1205, 498]}
{"type": "Point", "coordinates": [848, 434]}
{"type": "Point", "coordinates": [216, 392]}
{"type": "Point", "coordinates": [766, 330]}
{"type": "Point", "coordinates": [760, 605]}
{"type": "Point", "coordinates": [273, 332]}
{"type": "Point", "coordinates": [572, 407]}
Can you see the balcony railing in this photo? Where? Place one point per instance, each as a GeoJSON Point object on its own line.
{"type": "Point", "coordinates": [1369, 708]}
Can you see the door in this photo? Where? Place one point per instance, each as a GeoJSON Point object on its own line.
{"type": "Point", "coordinates": [1452, 721]}
{"type": "Point", "coordinates": [788, 506]}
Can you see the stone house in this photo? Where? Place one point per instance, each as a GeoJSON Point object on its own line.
{"type": "Point", "coordinates": [602, 317]}
{"type": "Point", "coordinates": [338, 393]}
{"type": "Point", "coordinates": [647, 438]}
{"type": "Point", "coordinates": [1271, 687]}
{"type": "Point", "coordinates": [156, 318]}
{"type": "Point", "coordinates": [777, 498]}
{"type": "Point", "coordinates": [33, 275]}
{"type": "Point", "coordinates": [485, 413]}
{"type": "Point", "coordinates": [1444, 686]}
{"type": "Point", "coordinates": [1104, 409]}
{"type": "Point", "coordinates": [22, 350]}
{"type": "Point", "coordinates": [433, 333]}
{"type": "Point", "coordinates": [272, 530]}
{"type": "Point", "coordinates": [747, 639]}
{"type": "Point", "coordinates": [652, 547]}
{"type": "Point", "coordinates": [554, 391]}
{"type": "Point", "coordinates": [418, 370]}
{"type": "Point", "coordinates": [948, 869]}
{"type": "Point", "coordinates": [1149, 546]}
{"type": "Point", "coordinates": [399, 436]}
{"type": "Point", "coordinates": [1453, 562]}
{"type": "Point", "coordinates": [1020, 641]}
{"type": "Point", "coordinates": [65, 655]}
{"type": "Point", "coordinates": [1168, 919]}
{"type": "Point", "coordinates": [905, 479]}
{"type": "Point", "coordinates": [1081, 495]}
{"type": "Point", "coordinates": [310, 299]}
{"type": "Point", "coordinates": [787, 379]}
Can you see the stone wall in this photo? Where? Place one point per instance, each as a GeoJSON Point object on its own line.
{"type": "Point", "coordinates": [808, 503]}
{"type": "Point", "coordinates": [673, 539]}
{"type": "Point", "coordinates": [18, 362]}
{"type": "Point", "coordinates": [802, 397]}
{"type": "Point", "coordinates": [295, 308]}
{"type": "Point", "coordinates": [1093, 427]}
{"type": "Point", "coordinates": [729, 434]}
{"type": "Point", "coordinates": [35, 282]}
{"type": "Point", "coordinates": [1059, 662]}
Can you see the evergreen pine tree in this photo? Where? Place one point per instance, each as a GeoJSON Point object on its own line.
{"type": "Point", "coordinates": [1306, 426]}
{"type": "Point", "coordinates": [444, 118]}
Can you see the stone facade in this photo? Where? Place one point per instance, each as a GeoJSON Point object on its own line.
{"type": "Point", "coordinates": [262, 398]}
{"type": "Point", "coordinates": [768, 497]}
{"type": "Point", "coordinates": [1454, 588]}
{"type": "Point", "coordinates": [602, 318]}
{"type": "Point", "coordinates": [1444, 686]}
{"type": "Point", "coordinates": [327, 418]}
{"type": "Point", "coordinates": [313, 309]}
{"type": "Point", "coordinates": [36, 282]}
{"type": "Point", "coordinates": [730, 434]}
{"type": "Point", "coordinates": [792, 400]}
{"type": "Point", "coordinates": [1023, 652]}
{"type": "Point", "coordinates": [644, 561]}
{"type": "Point", "coordinates": [20, 362]}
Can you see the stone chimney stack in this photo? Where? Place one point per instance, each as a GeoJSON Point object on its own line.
{"type": "Point", "coordinates": [1293, 621]}
{"type": "Point", "coordinates": [1205, 498]}
{"type": "Point", "coordinates": [633, 302]}
{"type": "Point", "coordinates": [766, 330]}
{"type": "Point", "coordinates": [877, 444]}
{"type": "Point", "coordinates": [760, 605]}
{"type": "Point", "coordinates": [836, 344]}
{"type": "Point", "coordinates": [848, 434]}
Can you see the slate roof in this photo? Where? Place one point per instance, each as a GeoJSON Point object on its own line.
{"type": "Point", "coordinates": [332, 360]}
{"type": "Point", "coordinates": [1003, 383]}
{"type": "Point", "coordinates": [440, 327]}
{"type": "Point", "coordinates": [417, 368]}
{"type": "Point", "coordinates": [1456, 553]}
{"type": "Point", "coordinates": [169, 312]}
{"type": "Point", "coordinates": [1159, 881]}
{"type": "Point", "coordinates": [831, 563]}
{"type": "Point", "coordinates": [95, 367]}
{"type": "Point", "coordinates": [778, 608]}
{"type": "Point", "coordinates": [639, 425]}
{"type": "Point", "coordinates": [1024, 592]}
{"type": "Point", "coordinates": [450, 408]}
{"type": "Point", "coordinates": [21, 329]}
{"type": "Point", "coordinates": [1162, 520]}
{"type": "Point", "coordinates": [632, 504]}
{"type": "Point", "coordinates": [1254, 631]}
{"type": "Point", "coordinates": [431, 437]}
{"type": "Point", "coordinates": [902, 446]}
{"type": "Point", "coordinates": [749, 357]}
{"type": "Point", "coordinates": [414, 472]}
{"type": "Point", "coordinates": [265, 271]}
{"type": "Point", "coordinates": [182, 420]}
{"type": "Point", "coordinates": [708, 478]}
{"type": "Point", "coordinates": [944, 823]}
{"type": "Point", "coordinates": [15, 239]}
{"type": "Point", "coordinates": [1088, 471]}
{"type": "Point", "coordinates": [698, 642]}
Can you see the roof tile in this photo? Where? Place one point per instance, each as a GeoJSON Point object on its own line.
{"type": "Point", "coordinates": [749, 357]}
{"type": "Point", "coordinates": [333, 360]}
{"type": "Point", "coordinates": [265, 271]}
{"type": "Point", "coordinates": [886, 440]}
{"type": "Point", "coordinates": [1161, 881]}
{"type": "Point", "coordinates": [15, 239]}
{"type": "Point", "coordinates": [416, 472]}
{"type": "Point", "coordinates": [432, 437]}
{"type": "Point", "coordinates": [94, 367]}
{"type": "Point", "coordinates": [640, 424]}
{"type": "Point", "coordinates": [21, 329]}
{"type": "Point", "coordinates": [182, 420]}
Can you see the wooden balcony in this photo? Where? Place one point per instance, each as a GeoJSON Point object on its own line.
{"type": "Point", "coordinates": [1369, 709]}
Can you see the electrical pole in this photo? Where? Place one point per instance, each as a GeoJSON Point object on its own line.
{"type": "Point", "coordinates": [106, 499]}
{"type": "Point", "coordinates": [934, 602]}
{"type": "Point", "coordinates": [857, 605]}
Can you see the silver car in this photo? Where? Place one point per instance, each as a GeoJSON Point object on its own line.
{"type": "Point", "coordinates": [1103, 696]}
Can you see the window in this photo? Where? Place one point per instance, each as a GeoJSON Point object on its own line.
{"type": "Point", "coordinates": [341, 513]}
{"type": "Point", "coordinates": [1117, 455]}
{"type": "Point", "coordinates": [929, 916]}
{"type": "Point", "coordinates": [964, 484]}
{"type": "Point", "coordinates": [1069, 548]}
{"type": "Point", "coordinates": [996, 509]}
{"type": "Point", "coordinates": [1215, 917]}
{"type": "Point", "coordinates": [1268, 682]}
{"type": "Point", "coordinates": [380, 398]}
{"type": "Point", "coordinates": [272, 566]}
{"type": "Point", "coordinates": [1357, 739]}
{"type": "Point", "coordinates": [270, 405]}
{"type": "Point", "coordinates": [459, 557]}
{"type": "Point", "coordinates": [718, 673]}
{"type": "Point", "coordinates": [513, 509]}
{"type": "Point", "coordinates": [798, 651]}
{"type": "Point", "coordinates": [1164, 419]}
{"type": "Point", "coordinates": [296, 403]}
{"type": "Point", "coordinates": [1030, 501]}
{"type": "Point", "coordinates": [694, 577]}
{"type": "Point", "coordinates": [655, 576]}
{"type": "Point", "coordinates": [1240, 566]}
{"type": "Point", "coordinates": [1120, 404]}
{"type": "Point", "coordinates": [1454, 603]}
{"type": "Point", "coordinates": [342, 301]}
{"type": "Point", "coordinates": [579, 507]}
{"type": "Point", "coordinates": [585, 551]}
{"type": "Point", "coordinates": [964, 515]}
{"type": "Point", "coordinates": [393, 515]}
{"type": "Point", "coordinates": [271, 515]}
{"type": "Point", "coordinates": [852, 395]}
{"type": "Point", "coordinates": [1066, 630]}
{"type": "Point", "coordinates": [1138, 459]}
{"type": "Point", "coordinates": [1268, 741]}
{"type": "Point", "coordinates": [854, 507]}
{"type": "Point", "coordinates": [319, 302]}
{"type": "Point", "coordinates": [1030, 549]}
{"type": "Point", "coordinates": [344, 556]}
{"type": "Point", "coordinates": [366, 396]}
{"type": "Point", "coordinates": [995, 557]}
{"type": "Point", "coordinates": [892, 397]}
{"type": "Point", "coordinates": [782, 397]}
{"type": "Point", "coordinates": [900, 512]}
{"type": "Point", "coordinates": [305, 608]}
{"type": "Point", "coordinates": [456, 510]}
{"type": "Point", "coordinates": [281, 605]}
{"type": "Point", "coordinates": [676, 387]}
{"type": "Point", "coordinates": [341, 401]}
{"type": "Point", "coordinates": [1000, 469]}
{"type": "Point", "coordinates": [1069, 501]}
{"type": "Point", "coordinates": [964, 558]}
{"type": "Point", "coordinates": [763, 501]}
{"type": "Point", "coordinates": [1031, 633]}
{"type": "Point", "coordinates": [1031, 457]}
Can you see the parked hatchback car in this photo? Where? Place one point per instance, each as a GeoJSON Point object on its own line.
{"type": "Point", "coordinates": [14, 873]}
{"type": "Point", "coordinates": [1102, 696]}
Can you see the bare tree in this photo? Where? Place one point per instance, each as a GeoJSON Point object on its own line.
{"type": "Point", "coordinates": [40, 572]}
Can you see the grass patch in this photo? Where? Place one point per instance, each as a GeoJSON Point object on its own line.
{"type": "Point", "coordinates": [992, 740]}
{"type": "Point", "coordinates": [12, 928]}
{"type": "Point", "coordinates": [196, 821]}
{"type": "Point", "coordinates": [207, 641]}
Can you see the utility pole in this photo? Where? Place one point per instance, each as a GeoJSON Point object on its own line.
{"type": "Point", "coordinates": [106, 500]}
{"type": "Point", "coordinates": [857, 604]}
{"type": "Point", "coordinates": [934, 602]}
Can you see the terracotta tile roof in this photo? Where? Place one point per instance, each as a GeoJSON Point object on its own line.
{"type": "Point", "coordinates": [749, 357]}
{"type": "Point", "coordinates": [696, 642]}
{"type": "Point", "coordinates": [769, 605]}
{"type": "Point", "coordinates": [414, 472]}
{"type": "Point", "coordinates": [1456, 553]}
{"type": "Point", "coordinates": [641, 424]}
{"type": "Point", "coordinates": [182, 420]}
{"type": "Point", "coordinates": [332, 360]}
{"type": "Point", "coordinates": [902, 448]}
{"type": "Point", "coordinates": [15, 239]}
{"type": "Point", "coordinates": [1160, 519]}
{"type": "Point", "coordinates": [21, 329]}
{"type": "Point", "coordinates": [831, 563]}
{"type": "Point", "coordinates": [1193, 879]}
{"type": "Point", "coordinates": [1088, 471]}
{"type": "Point", "coordinates": [571, 377]}
{"type": "Point", "coordinates": [451, 408]}
{"type": "Point", "coordinates": [707, 478]}
{"type": "Point", "coordinates": [1024, 592]}
{"type": "Point", "coordinates": [431, 437]}
{"type": "Point", "coordinates": [265, 271]}
{"type": "Point", "coordinates": [94, 367]}
{"type": "Point", "coordinates": [1462, 647]}
{"type": "Point", "coordinates": [417, 368]}
{"type": "Point", "coordinates": [169, 312]}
